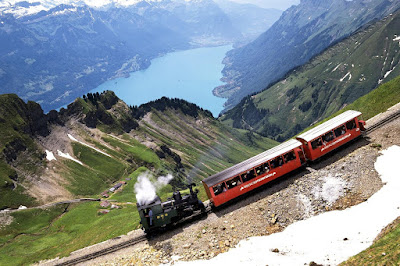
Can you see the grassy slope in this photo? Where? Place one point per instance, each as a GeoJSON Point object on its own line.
{"type": "Point", "coordinates": [207, 147]}
{"type": "Point", "coordinates": [40, 234]}
{"type": "Point", "coordinates": [203, 144]}
{"type": "Point", "coordinates": [333, 79]}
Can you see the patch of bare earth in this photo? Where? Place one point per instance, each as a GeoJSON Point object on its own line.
{"type": "Point", "coordinates": [5, 219]}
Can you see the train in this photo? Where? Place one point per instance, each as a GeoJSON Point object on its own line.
{"type": "Point", "coordinates": [235, 181]}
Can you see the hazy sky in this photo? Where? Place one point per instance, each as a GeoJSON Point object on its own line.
{"type": "Point", "coordinates": [278, 4]}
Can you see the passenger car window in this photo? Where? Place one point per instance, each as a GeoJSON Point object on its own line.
{"type": "Point", "coordinates": [262, 168]}
{"type": "Point", "coordinates": [218, 189]}
{"type": "Point", "coordinates": [328, 136]}
{"type": "Point", "coordinates": [351, 124]}
{"type": "Point", "coordinates": [316, 143]}
{"type": "Point", "coordinates": [290, 156]}
{"type": "Point", "coordinates": [340, 131]}
{"type": "Point", "coordinates": [278, 161]}
{"type": "Point", "coordinates": [233, 182]}
{"type": "Point", "coordinates": [248, 175]}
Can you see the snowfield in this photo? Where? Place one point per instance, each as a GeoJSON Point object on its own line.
{"type": "Point", "coordinates": [329, 238]}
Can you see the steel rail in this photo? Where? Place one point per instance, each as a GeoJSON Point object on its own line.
{"type": "Point", "coordinates": [103, 252]}
{"type": "Point", "coordinates": [383, 122]}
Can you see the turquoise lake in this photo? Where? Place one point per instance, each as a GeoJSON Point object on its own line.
{"type": "Point", "coordinates": [190, 75]}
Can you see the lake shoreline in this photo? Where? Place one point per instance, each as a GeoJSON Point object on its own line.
{"type": "Point", "coordinates": [187, 74]}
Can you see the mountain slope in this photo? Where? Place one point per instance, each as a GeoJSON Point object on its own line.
{"type": "Point", "coordinates": [302, 32]}
{"type": "Point", "coordinates": [84, 149]}
{"type": "Point", "coordinates": [331, 80]}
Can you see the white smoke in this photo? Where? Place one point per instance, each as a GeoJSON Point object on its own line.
{"type": "Point", "coordinates": [163, 181]}
{"type": "Point", "coordinates": [146, 190]}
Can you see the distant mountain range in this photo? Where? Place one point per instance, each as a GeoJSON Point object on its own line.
{"type": "Point", "coordinates": [329, 82]}
{"type": "Point", "coordinates": [54, 51]}
{"type": "Point", "coordinates": [302, 32]}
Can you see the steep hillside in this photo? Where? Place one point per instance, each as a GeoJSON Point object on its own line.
{"type": "Point", "coordinates": [330, 81]}
{"type": "Point", "coordinates": [98, 140]}
{"type": "Point", "coordinates": [301, 32]}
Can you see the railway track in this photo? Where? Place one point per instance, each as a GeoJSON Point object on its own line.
{"type": "Point", "coordinates": [103, 252]}
{"type": "Point", "coordinates": [383, 122]}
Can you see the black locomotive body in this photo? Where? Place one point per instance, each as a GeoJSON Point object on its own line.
{"type": "Point", "coordinates": [157, 214]}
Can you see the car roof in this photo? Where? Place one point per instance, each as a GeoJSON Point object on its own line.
{"type": "Point", "coordinates": [329, 125]}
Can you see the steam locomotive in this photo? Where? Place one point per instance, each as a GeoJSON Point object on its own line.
{"type": "Point", "coordinates": [158, 215]}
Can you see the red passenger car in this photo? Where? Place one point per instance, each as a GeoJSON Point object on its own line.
{"type": "Point", "coordinates": [254, 172]}
{"type": "Point", "coordinates": [331, 134]}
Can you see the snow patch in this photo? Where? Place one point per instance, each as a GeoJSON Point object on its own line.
{"type": "Point", "coordinates": [67, 156]}
{"type": "Point", "coordinates": [84, 144]}
{"type": "Point", "coordinates": [347, 75]}
{"type": "Point", "coordinates": [50, 156]}
{"type": "Point", "coordinates": [329, 238]}
{"type": "Point", "coordinates": [336, 67]}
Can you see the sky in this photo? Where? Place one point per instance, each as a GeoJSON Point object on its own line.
{"type": "Point", "coordinates": [278, 4]}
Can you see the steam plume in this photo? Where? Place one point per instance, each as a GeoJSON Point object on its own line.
{"type": "Point", "coordinates": [146, 190]}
